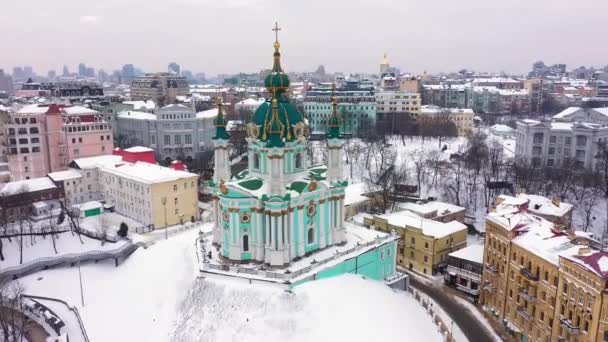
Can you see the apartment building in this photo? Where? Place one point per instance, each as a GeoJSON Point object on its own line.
{"type": "Point", "coordinates": [551, 143]}
{"type": "Point", "coordinates": [446, 95]}
{"type": "Point", "coordinates": [43, 138]}
{"type": "Point", "coordinates": [491, 99]}
{"type": "Point", "coordinates": [462, 118]}
{"type": "Point", "coordinates": [396, 101]}
{"type": "Point", "coordinates": [424, 244]}
{"type": "Point", "coordinates": [540, 279]}
{"type": "Point", "coordinates": [174, 131]}
{"type": "Point", "coordinates": [356, 106]}
{"type": "Point", "coordinates": [154, 195]}
{"type": "Point", "coordinates": [465, 267]}
{"type": "Point", "coordinates": [159, 87]}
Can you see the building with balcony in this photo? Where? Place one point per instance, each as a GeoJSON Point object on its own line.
{"type": "Point", "coordinates": [43, 138]}
{"type": "Point", "coordinates": [174, 131]}
{"type": "Point", "coordinates": [464, 270]}
{"type": "Point", "coordinates": [162, 87]}
{"type": "Point", "coordinates": [491, 99]}
{"type": "Point", "coordinates": [542, 280]}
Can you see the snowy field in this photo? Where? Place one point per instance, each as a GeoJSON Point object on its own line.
{"type": "Point", "coordinates": [155, 296]}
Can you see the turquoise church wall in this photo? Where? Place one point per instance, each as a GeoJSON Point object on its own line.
{"type": "Point", "coordinates": [377, 264]}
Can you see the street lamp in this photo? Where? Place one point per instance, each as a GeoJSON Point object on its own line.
{"type": "Point", "coordinates": [164, 202]}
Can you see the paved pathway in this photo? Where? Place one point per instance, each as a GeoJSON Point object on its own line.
{"type": "Point", "coordinates": [466, 320]}
{"type": "Point", "coordinates": [34, 332]}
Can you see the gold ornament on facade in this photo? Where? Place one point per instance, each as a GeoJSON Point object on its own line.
{"type": "Point", "coordinates": [313, 185]}
{"type": "Point", "coordinates": [223, 187]}
{"type": "Point", "coordinates": [311, 210]}
{"type": "Point", "coordinates": [253, 131]}
{"type": "Point", "coordinates": [299, 130]}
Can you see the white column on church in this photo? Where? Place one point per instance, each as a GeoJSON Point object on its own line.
{"type": "Point", "coordinates": [292, 247]}
{"type": "Point", "coordinates": [267, 242]}
{"type": "Point", "coordinates": [323, 227]}
{"type": "Point", "coordinates": [280, 228]}
{"type": "Point", "coordinates": [302, 212]}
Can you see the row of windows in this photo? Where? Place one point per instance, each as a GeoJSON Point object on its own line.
{"type": "Point", "coordinates": [86, 128]}
{"type": "Point", "coordinates": [23, 130]}
{"type": "Point", "coordinates": [177, 139]}
{"type": "Point", "coordinates": [24, 141]}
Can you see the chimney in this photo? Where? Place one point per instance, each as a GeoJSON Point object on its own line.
{"type": "Point", "coordinates": [571, 234]}
{"type": "Point", "coordinates": [584, 249]}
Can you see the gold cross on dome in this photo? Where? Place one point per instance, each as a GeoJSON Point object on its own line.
{"type": "Point", "coordinates": [276, 30]}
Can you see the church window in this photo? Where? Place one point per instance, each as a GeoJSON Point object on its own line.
{"type": "Point", "coordinates": [311, 210]}
{"type": "Point", "coordinates": [245, 243]}
{"type": "Point", "coordinates": [298, 160]}
{"type": "Point", "coordinates": [311, 235]}
{"type": "Point", "coordinates": [256, 161]}
{"type": "Point", "coordinates": [245, 218]}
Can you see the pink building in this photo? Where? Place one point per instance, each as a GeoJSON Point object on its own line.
{"type": "Point", "coordinates": [45, 138]}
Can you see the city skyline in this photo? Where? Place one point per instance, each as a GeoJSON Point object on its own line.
{"type": "Point", "coordinates": [213, 37]}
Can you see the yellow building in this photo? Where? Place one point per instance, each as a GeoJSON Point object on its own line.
{"type": "Point", "coordinates": [462, 118]}
{"type": "Point", "coordinates": [151, 194]}
{"type": "Point", "coordinates": [536, 278]}
{"type": "Point", "coordinates": [424, 244]}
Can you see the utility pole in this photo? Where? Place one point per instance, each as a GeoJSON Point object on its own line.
{"type": "Point", "coordinates": [164, 202]}
{"type": "Point", "coordinates": [81, 289]}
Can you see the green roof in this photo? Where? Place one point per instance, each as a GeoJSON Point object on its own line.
{"type": "Point", "coordinates": [251, 184]}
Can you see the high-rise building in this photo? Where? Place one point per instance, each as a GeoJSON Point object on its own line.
{"type": "Point", "coordinates": [160, 87]}
{"type": "Point", "coordinates": [6, 82]}
{"type": "Point", "coordinates": [51, 75]}
{"type": "Point", "coordinates": [174, 69]}
{"type": "Point", "coordinates": [28, 71]}
{"type": "Point", "coordinates": [66, 71]}
{"type": "Point", "coordinates": [82, 69]}
{"type": "Point", "coordinates": [385, 65]}
{"type": "Point", "coordinates": [127, 74]}
{"type": "Point", "coordinates": [18, 73]}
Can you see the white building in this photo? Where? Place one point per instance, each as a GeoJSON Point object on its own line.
{"type": "Point", "coordinates": [572, 134]}
{"type": "Point", "coordinates": [551, 143]}
{"type": "Point", "coordinates": [397, 101]}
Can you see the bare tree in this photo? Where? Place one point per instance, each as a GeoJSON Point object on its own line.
{"type": "Point", "coordinates": [420, 161]}
{"type": "Point", "coordinates": [456, 174]}
{"type": "Point", "coordinates": [12, 321]}
{"type": "Point", "coordinates": [73, 216]}
{"type": "Point", "coordinates": [104, 227]}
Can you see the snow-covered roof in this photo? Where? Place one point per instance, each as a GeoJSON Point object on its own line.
{"type": "Point", "coordinates": [147, 173]}
{"type": "Point", "coordinates": [138, 149]}
{"type": "Point", "coordinates": [207, 114]}
{"type": "Point", "coordinates": [64, 175]}
{"type": "Point", "coordinates": [98, 161]}
{"type": "Point", "coordinates": [594, 260]}
{"type": "Point", "coordinates": [432, 228]}
{"type": "Point", "coordinates": [501, 128]}
{"type": "Point", "coordinates": [495, 80]}
{"type": "Point", "coordinates": [537, 204]}
{"type": "Point", "coordinates": [472, 253]}
{"type": "Point", "coordinates": [33, 109]}
{"type": "Point", "coordinates": [149, 104]}
{"type": "Point", "coordinates": [129, 114]}
{"type": "Point", "coordinates": [78, 110]}
{"type": "Point", "coordinates": [251, 102]}
{"type": "Point", "coordinates": [441, 208]}
{"type": "Point", "coordinates": [89, 205]}
{"type": "Point", "coordinates": [28, 185]}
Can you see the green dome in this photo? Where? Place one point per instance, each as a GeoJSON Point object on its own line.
{"type": "Point", "coordinates": [287, 115]}
{"type": "Point", "coordinates": [276, 82]}
{"type": "Point", "coordinates": [277, 116]}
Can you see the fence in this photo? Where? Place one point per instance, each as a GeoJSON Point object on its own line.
{"type": "Point", "coordinates": [428, 307]}
{"type": "Point", "coordinates": [34, 265]}
{"type": "Point", "coordinates": [295, 274]}
{"type": "Point", "coordinates": [73, 309]}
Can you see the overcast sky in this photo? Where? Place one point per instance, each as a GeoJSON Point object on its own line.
{"type": "Point", "coordinates": [225, 36]}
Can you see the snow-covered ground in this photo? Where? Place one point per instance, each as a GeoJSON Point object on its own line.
{"type": "Point", "coordinates": [155, 295]}
{"type": "Point", "coordinates": [36, 247]}
{"type": "Point", "coordinates": [345, 308]}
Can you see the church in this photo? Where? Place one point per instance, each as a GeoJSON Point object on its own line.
{"type": "Point", "coordinates": [281, 208]}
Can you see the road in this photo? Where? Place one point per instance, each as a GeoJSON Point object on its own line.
{"type": "Point", "coordinates": [465, 319]}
